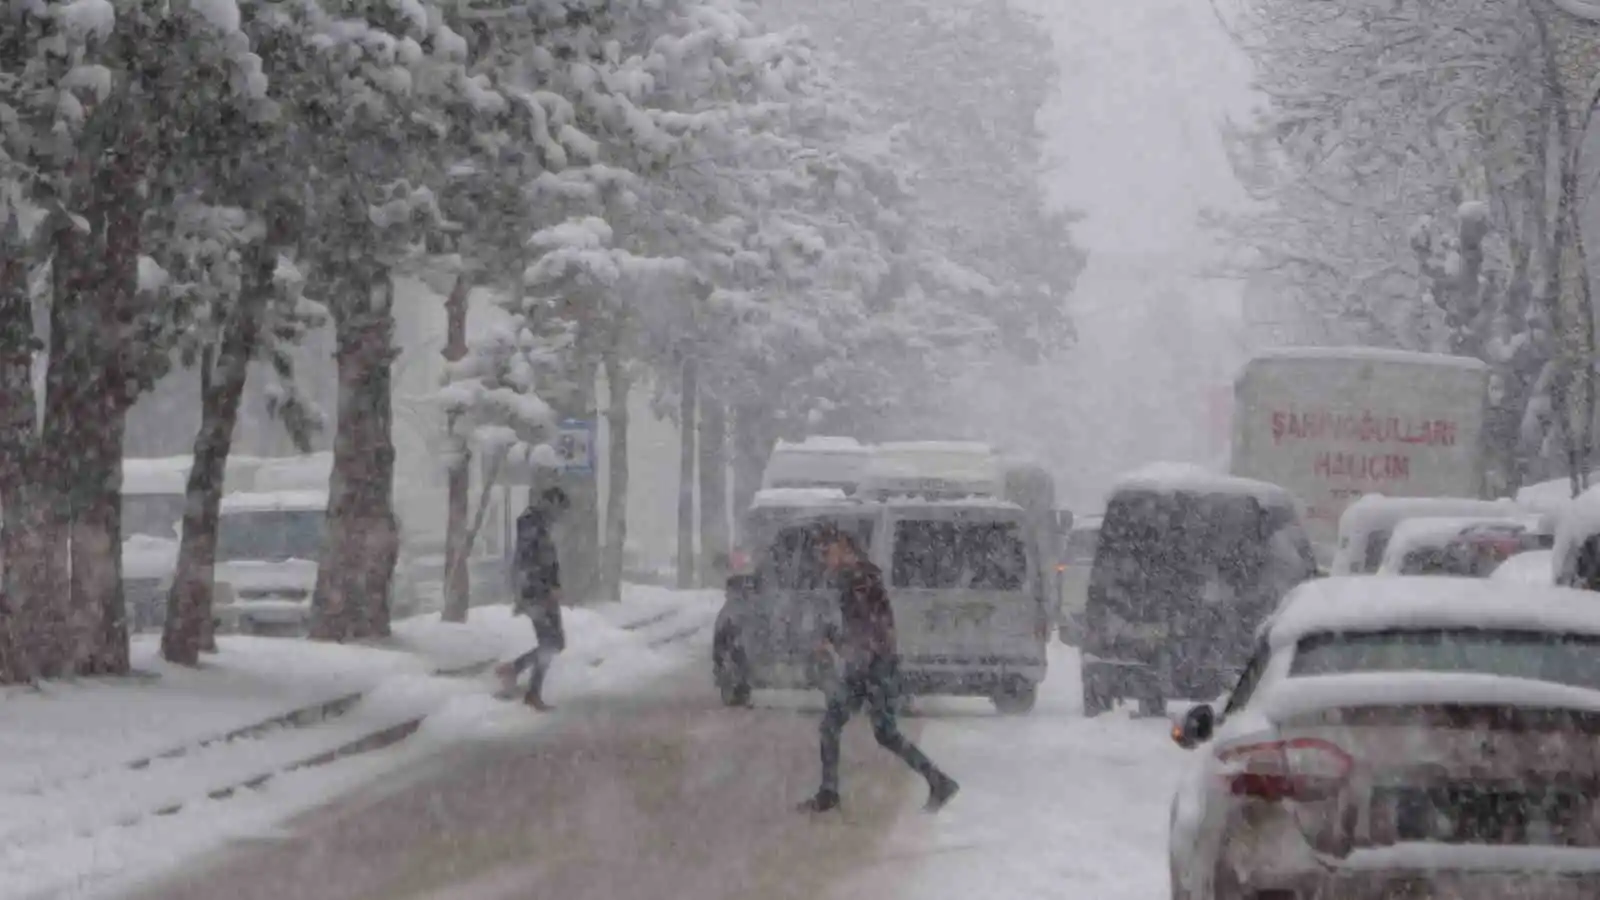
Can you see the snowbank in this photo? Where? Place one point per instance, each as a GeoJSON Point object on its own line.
{"type": "Point", "coordinates": [110, 781]}
{"type": "Point", "coordinates": [1528, 567]}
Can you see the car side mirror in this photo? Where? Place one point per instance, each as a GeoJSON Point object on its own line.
{"type": "Point", "coordinates": [1195, 728]}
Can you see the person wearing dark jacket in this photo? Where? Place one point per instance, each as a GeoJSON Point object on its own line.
{"type": "Point", "coordinates": [865, 645]}
{"type": "Point", "coordinates": [538, 595]}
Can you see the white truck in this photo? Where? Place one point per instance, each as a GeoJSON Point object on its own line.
{"type": "Point", "coordinates": [1332, 424]}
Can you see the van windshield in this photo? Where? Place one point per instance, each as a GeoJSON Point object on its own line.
{"type": "Point", "coordinates": [270, 535]}
{"type": "Point", "coordinates": [1165, 553]}
{"type": "Point", "coordinates": [950, 555]}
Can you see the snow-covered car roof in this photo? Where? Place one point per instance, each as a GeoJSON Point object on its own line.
{"type": "Point", "coordinates": [1088, 523]}
{"type": "Point", "coordinates": [1373, 354]}
{"type": "Point", "coordinates": [1368, 603]}
{"type": "Point", "coordinates": [792, 498]}
{"type": "Point", "coordinates": [1527, 567]}
{"type": "Point", "coordinates": [1375, 511]}
{"type": "Point", "coordinates": [275, 501]}
{"type": "Point", "coordinates": [1425, 532]}
{"type": "Point", "coordinates": [1167, 477]}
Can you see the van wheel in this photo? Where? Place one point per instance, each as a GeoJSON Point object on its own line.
{"type": "Point", "coordinates": [1095, 698]}
{"type": "Point", "coordinates": [1016, 699]}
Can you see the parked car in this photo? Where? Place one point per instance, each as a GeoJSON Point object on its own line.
{"type": "Point", "coordinates": [1467, 546]}
{"type": "Point", "coordinates": [1400, 737]}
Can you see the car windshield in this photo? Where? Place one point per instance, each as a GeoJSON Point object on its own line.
{"type": "Point", "coordinates": [270, 535]}
{"type": "Point", "coordinates": [1568, 659]}
{"type": "Point", "coordinates": [954, 555]}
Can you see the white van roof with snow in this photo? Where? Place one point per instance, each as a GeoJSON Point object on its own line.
{"type": "Point", "coordinates": [816, 462]}
{"type": "Point", "coordinates": [934, 470]}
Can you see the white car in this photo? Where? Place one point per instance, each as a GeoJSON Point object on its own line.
{"type": "Point", "coordinates": [1429, 737]}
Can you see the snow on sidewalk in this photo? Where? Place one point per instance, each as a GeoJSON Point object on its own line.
{"type": "Point", "coordinates": [1052, 805]}
{"type": "Point", "coordinates": [94, 790]}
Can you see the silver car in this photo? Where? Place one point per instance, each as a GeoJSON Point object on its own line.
{"type": "Point", "coordinates": [1396, 738]}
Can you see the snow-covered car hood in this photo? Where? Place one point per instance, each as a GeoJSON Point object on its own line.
{"type": "Point", "coordinates": [144, 556]}
{"type": "Point", "coordinates": [252, 579]}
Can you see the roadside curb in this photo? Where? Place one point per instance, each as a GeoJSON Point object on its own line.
{"type": "Point", "coordinates": [377, 739]}
{"type": "Point", "coordinates": [299, 717]}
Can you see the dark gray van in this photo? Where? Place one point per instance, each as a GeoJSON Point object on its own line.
{"type": "Point", "coordinates": [1187, 565]}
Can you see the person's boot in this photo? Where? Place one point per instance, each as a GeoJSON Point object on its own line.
{"type": "Point", "coordinates": [822, 802]}
{"type": "Point", "coordinates": [941, 788]}
{"type": "Point", "coordinates": [535, 696]}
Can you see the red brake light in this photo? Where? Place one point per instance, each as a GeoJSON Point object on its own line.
{"type": "Point", "coordinates": [1303, 769]}
{"type": "Point", "coordinates": [739, 562]}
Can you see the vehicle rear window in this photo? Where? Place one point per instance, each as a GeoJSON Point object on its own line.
{"type": "Point", "coordinates": [793, 559]}
{"type": "Point", "coordinates": [953, 555]}
{"type": "Point", "coordinates": [1080, 546]}
{"type": "Point", "coordinates": [1568, 659]}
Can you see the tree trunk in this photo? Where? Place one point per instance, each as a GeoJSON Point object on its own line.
{"type": "Point", "coordinates": [222, 376]}
{"type": "Point", "coordinates": [83, 402]}
{"type": "Point", "coordinates": [713, 435]}
{"type": "Point", "coordinates": [458, 550]}
{"type": "Point", "coordinates": [750, 451]}
{"type": "Point", "coordinates": [618, 385]}
{"type": "Point", "coordinates": [97, 558]}
{"type": "Point", "coordinates": [356, 571]}
{"type": "Point", "coordinates": [18, 448]}
{"type": "Point", "coordinates": [686, 460]}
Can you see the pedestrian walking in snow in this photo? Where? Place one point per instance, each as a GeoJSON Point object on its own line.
{"type": "Point", "coordinates": [868, 665]}
{"type": "Point", "coordinates": [538, 595]}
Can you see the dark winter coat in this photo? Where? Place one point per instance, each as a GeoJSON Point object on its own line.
{"type": "Point", "coordinates": [538, 570]}
{"type": "Point", "coordinates": [867, 631]}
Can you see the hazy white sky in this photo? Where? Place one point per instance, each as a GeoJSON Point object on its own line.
{"type": "Point", "coordinates": [1132, 133]}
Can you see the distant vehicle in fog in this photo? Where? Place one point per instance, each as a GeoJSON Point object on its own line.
{"type": "Point", "coordinates": [1077, 563]}
{"type": "Point", "coordinates": [966, 570]}
{"type": "Point", "coordinates": [1188, 563]}
{"type": "Point", "coordinates": [1467, 547]}
{"type": "Point", "coordinates": [1400, 738]}
{"type": "Point", "coordinates": [1332, 424]}
{"type": "Point", "coordinates": [1367, 524]}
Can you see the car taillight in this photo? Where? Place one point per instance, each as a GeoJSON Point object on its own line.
{"type": "Point", "coordinates": [739, 562]}
{"type": "Point", "coordinates": [1302, 769]}
{"type": "Point", "coordinates": [1061, 567]}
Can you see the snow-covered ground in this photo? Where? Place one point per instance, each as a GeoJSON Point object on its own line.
{"type": "Point", "coordinates": [1052, 806]}
{"type": "Point", "coordinates": [106, 781]}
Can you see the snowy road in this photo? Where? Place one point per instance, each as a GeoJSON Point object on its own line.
{"type": "Point", "coordinates": [667, 795]}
